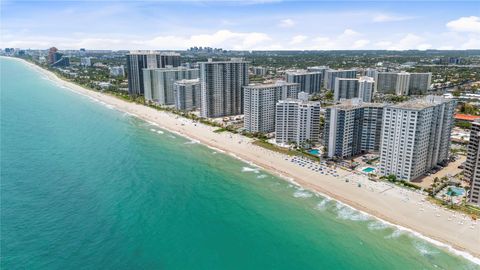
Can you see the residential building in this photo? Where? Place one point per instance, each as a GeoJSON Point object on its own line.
{"type": "Point", "coordinates": [310, 82]}
{"type": "Point", "coordinates": [370, 72]}
{"type": "Point", "coordinates": [331, 75]}
{"type": "Point", "coordinates": [259, 71]}
{"type": "Point", "coordinates": [297, 121]}
{"type": "Point", "coordinates": [402, 83]}
{"type": "Point", "coordinates": [222, 85]}
{"type": "Point", "coordinates": [158, 83]}
{"type": "Point", "coordinates": [352, 127]}
{"type": "Point", "coordinates": [365, 88]}
{"type": "Point", "coordinates": [139, 60]}
{"type": "Point", "coordinates": [347, 88]}
{"type": "Point", "coordinates": [259, 104]}
{"type": "Point", "coordinates": [85, 61]}
{"type": "Point", "coordinates": [416, 136]}
{"type": "Point", "coordinates": [118, 71]}
{"type": "Point", "coordinates": [419, 83]}
{"type": "Point", "coordinates": [472, 165]}
{"type": "Point", "coordinates": [321, 69]}
{"type": "Point", "coordinates": [187, 94]}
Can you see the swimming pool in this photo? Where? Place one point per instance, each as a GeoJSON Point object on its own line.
{"type": "Point", "coordinates": [368, 169]}
{"type": "Point", "coordinates": [314, 152]}
{"type": "Point", "coordinates": [456, 191]}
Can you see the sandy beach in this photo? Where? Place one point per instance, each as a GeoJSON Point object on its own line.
{"type": "Point", "coordinates": [400, 207]}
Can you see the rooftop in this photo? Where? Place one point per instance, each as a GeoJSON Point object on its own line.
{"type": "Point", "coordinates": [466, 117]}
{"type": "Point", "coordinates": [421, 103]}
{"type": "Point", "coordinates": [269, 85]}
{"type": "Point", "coordinates": [355, 103]}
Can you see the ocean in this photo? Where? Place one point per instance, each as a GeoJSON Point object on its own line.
{"type": "Point", "coordinates": [84, 186]}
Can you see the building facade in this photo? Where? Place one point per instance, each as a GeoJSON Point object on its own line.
{"type": "Point", "coordinates": [222, 85]}
{"type": "Point", "coordinates": [402, 83]}
{"type": "Point", "coordinates": [472, 165]}
{"type": "Point", "coordinates": [365, 88]}
{"type": "Point", "coordinates": [345, 89]}
{"type": "Point", "coordinates": [158, 83]}
{"type": "Point", "coordinates": [259, 104]}
{"type": "Point", "coordinates": [297, 121]}
{"type": "Point", "coordinates": [187, 94]}
{"type": "Point", "coordinates": [310, 82]}
{"type": "Point", "coordinates": [139, 60]}
{"type": "Point", "coordinates": [352, 128]}
{"type": "Point", "coordinates": [416, 136]}
{"type": "Point", "coordinates": [331, 75]}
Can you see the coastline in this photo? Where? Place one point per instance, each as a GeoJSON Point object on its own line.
{"type": "Point", "coordinates": [393, 208]}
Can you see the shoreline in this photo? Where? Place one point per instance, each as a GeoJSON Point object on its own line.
{"type": "Point", "coordinates": [400, 208]}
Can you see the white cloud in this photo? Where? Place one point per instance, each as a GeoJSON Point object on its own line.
{"type": "Point", "coordinates": [410, 41]}
{"type": "Point", "coordinates": [296, 40]}
{"type": "Point", "coordinates": [361, 43]}
{"type": "Point", "coordinates": [465, 24]}
{"type": "Point", "coordinates": [286, 23]}
{"type": "Point", "coordinates": [389, 18]}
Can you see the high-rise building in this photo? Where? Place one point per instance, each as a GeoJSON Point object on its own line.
{"type": "Point", "coordinates": [139, 60]}
{"type": "Point", "coordinates": [53, 55]}
{"type": "Point", "coordinates": [158, 82]}
{"type": "Point", "coordinates": [259, 71]}
{"type": "Point", "coordinates": [310, 82]}
{"type": "Point", "coordinates": [419, 83]}
{"type": "Point", "coordinates": [370, 72]}
{"type": "Point", "coordinates": [297, 121]}
{"type": "Point", "coordinates": [321, 69]}
{"type": "Point", "coordinates": [352, 128]}
{"type": "Point", "coordinates": [118, 71]}
{"type": "Point", "coordinates": [222, 85]}
{"type": "Point", "coordinates": [416, 136]}
{"type": "Point", "coordinates": [187, 94]}
{"type": "Point", "coordinates": [345, 89]}
{"type": "Point", "coordinates": [331, 75]}
{"type": "Point", "coordinates": [259, 104]}
{"type": "Point", "coordinates": [365, 88]}
{"type": "Point", "coordinates": [386, 82]}
{"type": "Point", "coordinates": [401, 86]}
{"type": "Point", "coordinates": [472, 165]}
{"type": "Point", "coordinates": [402, 83]}
{"type": "Point", "coordinates": [86, 61]}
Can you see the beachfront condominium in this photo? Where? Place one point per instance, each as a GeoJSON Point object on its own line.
{"type": "Point", "coordinates": [402, 83]}
{"type": "Point", "coordinates": [370, 72]}
{"type": "Point", "coordinates": [139, 60]}
{"type": "Point", "coordinates": [222, 85]}
{"type": "Point", "coordinates": [158, 82]}
{"type": "Point", "coordinates": [352, 127]}
{"type": "Point", "coordinates": [259, 104]}
{"type": "Point", "coordinates": [259, 71]}
{"type": "Point", "coordinates": [297, 121]}
{"type": "Point", "coordinates": [416, 136]}
{"type": "Point", "coordinates": [331, 75]}
{"type": "Point", "coordinates": [472, 165]}
{"type": "Point", "coordinates": [310, 82]}
{"type": "Point", "coordinates": [321, 69]}
{"type": "Point", "coordinates": [419, 83]}
{"type": "Point", "coordinates": [187, 94]}
{"type": "Point", "coordinates": [348, 88]}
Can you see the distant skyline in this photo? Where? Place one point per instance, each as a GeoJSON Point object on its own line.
{"type": "Point", "coordinates": [246, 25]}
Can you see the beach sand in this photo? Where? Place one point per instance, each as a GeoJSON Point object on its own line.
{"type": "Point", "coordinates": [400, 207]}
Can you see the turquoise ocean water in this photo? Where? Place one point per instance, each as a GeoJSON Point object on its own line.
{"type": "Point", "coordinates": [84, 186]}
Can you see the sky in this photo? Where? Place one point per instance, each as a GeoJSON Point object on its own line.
{"type": "Point", "coordinates": [240, 25]}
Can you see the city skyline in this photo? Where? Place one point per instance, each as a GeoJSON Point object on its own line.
{"type": "Point", "coordinates": [271, 25]}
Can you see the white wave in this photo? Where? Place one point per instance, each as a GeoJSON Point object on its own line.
{"type": "Point", "coordinates": [171, 136]}
{"type": "Point", "coordinates": [191, 142]}
{"type": "Point", "coordinates": [160, 132]}
{"type": "Point", "coordinates": [248, 169]}
{"type": "Point", "coordinates": [153, 130]}
{"type": "Point", "coordinates": [396, 233]}
{"type": "Point", "coordinates": [424, 249]}
{"type": "Point", "coordinates": [261, 176]}
{"type": "Point", "coordinates": [347, 213]}
{"type": "Point", "coordinates": [322, 205]}
{"type": "Point", "coordinates": [377, 225]}
{"type": "Point", "coordinates": [301, 193]}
